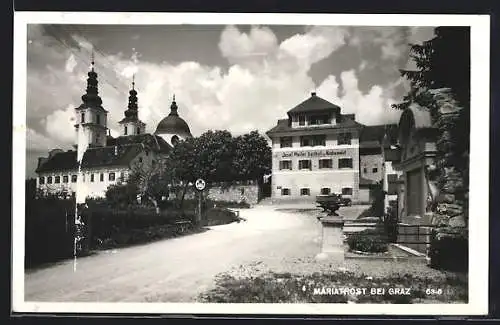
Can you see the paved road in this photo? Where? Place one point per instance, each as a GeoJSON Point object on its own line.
{"type": "Point", "coordinates": [177, 270]}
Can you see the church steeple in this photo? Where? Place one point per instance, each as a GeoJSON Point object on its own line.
{"type": "Point", "coordinates": [90, 115]}
{"type": "Point", "coordinates": [173, 108]}
{"type": "Point", "coordinates": [131, 123]}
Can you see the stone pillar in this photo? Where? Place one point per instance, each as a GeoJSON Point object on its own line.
{"type": "Point", "coordinates": [332, 245]}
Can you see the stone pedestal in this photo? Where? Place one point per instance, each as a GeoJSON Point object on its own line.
{"type": "Point", "coordinates": [332, 242]}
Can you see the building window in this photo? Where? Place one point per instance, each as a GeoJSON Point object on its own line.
{"type": "Point", "coordinates": [347, 191]}
{"type": "Point", "coordinates": [319, 140]}
{"type": "Point", "coordinates": [49, 180]}
{"type": "Point", "coordinates": [325, 191]}
{"type": "Point", "coordinates": [82, 117]}
{"type": "Point", "coordinates": [125, 130]}
{"type": "Point", "coordinates": [365, 170]}
{"type": "Point", "coordinates": [139, 130]}
{"type": "Point", "coordinates": [41, 180]}
{"type": "Point", "coordinates": [111, 176]}
{"type": "Point", "coordinates": [286, 164]}
{"type": "Point", "coordinates": [374, 169]}
{"type": "Point", "coordinates": [285, 142]}
{"type": "Point", "coordinates": [305, 141]}
{"type": "Point", "coordinates": [122, 176]}
{"type": "Point", "coordinates": [285, 191]}
{"type": "Point", "coordinates": [345, 163]}
{"type": "Point", "coordinates": [305, 191]}
{"type": "Point", "coordinates": [302, 120]}
{"type": "Point", "coordinates": [325, 163]}
{"type": "Point", "coordinates": [65, 178]}
{"type": "Point", "coordinates": [174, 140]}
{"type": "Point", "coordinates": [344, 138]}
{"type": "Point", "coordinates": [73, 178]}
{"type": "Point", "coordinates": [319, 119]}
{"type": "Point", "coordinates": [101, 177]}
{"type": "Point", "coordinates": [98, 119]}
{"type": "Point", "coordinates": [305, 164]}
{"type": "Point", "coordinates": [91, 177]}
{"type": "Point", "coordinates": [57, 179]}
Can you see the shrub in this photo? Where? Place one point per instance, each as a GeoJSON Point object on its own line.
{"type": "Point", "coordinates": [449, 248]}
{"type": "Point", "coordinates": [368, 240]}
{"type": "Point", "coordinates": [219, 216]}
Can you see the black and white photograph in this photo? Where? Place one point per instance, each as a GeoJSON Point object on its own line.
{"type": "Point", "coordinates": [250, 163]}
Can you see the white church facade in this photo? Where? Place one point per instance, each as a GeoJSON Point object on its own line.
{"type": "Point", "coordinates": [107, 160]}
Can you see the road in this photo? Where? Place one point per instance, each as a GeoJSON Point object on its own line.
{"type": "Point", "coordinates": [179, 269]}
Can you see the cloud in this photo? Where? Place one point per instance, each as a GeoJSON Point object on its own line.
{"type": "Point", "coordinates": [265, 77]}
{"type": "Point", "coordinates": [371, 108]}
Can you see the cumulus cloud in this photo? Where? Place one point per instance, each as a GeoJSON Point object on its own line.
{"type": "Point", "coordinates": [371, 108]}
{"type": "Point", "coordinates": [264, 79]}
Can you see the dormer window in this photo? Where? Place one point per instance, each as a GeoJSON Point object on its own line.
{"type": "Point", "coordinates": [302, 120]}
{"type": "Point", "coordinates": [319, 119]}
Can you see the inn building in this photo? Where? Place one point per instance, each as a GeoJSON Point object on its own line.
{"type": "Point", "coordinates": [317, 150]}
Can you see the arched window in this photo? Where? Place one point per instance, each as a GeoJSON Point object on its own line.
{"type": "Point", "coordinates": [174, 139]}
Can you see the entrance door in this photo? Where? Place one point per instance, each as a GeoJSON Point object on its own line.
{"type": "Point", "coordinates": [414, 192]}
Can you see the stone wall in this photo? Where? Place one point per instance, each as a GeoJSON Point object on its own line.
{"type": "Point", "coordinates": [448, 175]}
{"type": "Point", "coordinates": [248, 191]}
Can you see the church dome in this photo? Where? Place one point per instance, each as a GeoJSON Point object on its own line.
{"type": "Point", "coordinates": [173, 124]}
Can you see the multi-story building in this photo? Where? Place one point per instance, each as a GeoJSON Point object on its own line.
{"type": "Point", "coordinates": [318, 150]}
{"type": "Point", "coordinates": [107, 160]}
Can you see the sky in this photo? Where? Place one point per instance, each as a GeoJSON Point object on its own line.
{"type": "Point", "coordinates": [239, 78]}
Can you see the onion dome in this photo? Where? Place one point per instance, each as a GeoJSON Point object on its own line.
{"type": "Point", "coordinates": [173, 124]}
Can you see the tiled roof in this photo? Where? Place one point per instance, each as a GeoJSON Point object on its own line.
{"type": "Point", "coordinates": [154, 142]}
{"type": "Point", "coordinates": [314, 103]}
{"type": "Point", "coordinates": [120, 155]}
{"type": "Point", "coordinates": [283, 126]}
{"type": "Point", "coordinates": [365, 181]}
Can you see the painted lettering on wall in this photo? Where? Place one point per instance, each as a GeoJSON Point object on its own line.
{"type": "Point", "coordinates": [316, 153]}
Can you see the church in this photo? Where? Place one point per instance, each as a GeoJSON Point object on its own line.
{"type": "Point", "coordinates": [107, 160]}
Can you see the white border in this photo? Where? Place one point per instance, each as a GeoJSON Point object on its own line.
{"type": "Point", "coordinates": [479, 160]}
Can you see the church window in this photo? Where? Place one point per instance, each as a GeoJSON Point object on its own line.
{"type": "Point", "coordinates": [174, 139]}
{"type": "Point", "coordinates": [97, 138]}
{"type": "Point", "coordinates": [111, 176]}
{"type": "Point", "coordinates": [83, 117]}
{"type": "Point", "coordinates": [138, 130]}
{"type": "Point", "coordinates": [101, 177]}
{"type": "Point", "coordinates": [98, 119]}
{"type": "Point", "coordinates": [91, 177]}
{"type": "Point", "coordinates": [126, 131]}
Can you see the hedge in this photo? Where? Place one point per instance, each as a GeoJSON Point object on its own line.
{"type": "Point", "coordinates": [369, 240]}
{"type": "Point", "coordinates": [449, 249]}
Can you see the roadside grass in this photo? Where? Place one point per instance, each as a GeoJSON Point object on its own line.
{"type": "Point", "coordinates": [313, 288]}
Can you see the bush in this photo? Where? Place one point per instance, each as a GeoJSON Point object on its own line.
{"type": "Point", "coordinates": [219, 216]}
{"type": "Point", "coordinates": [449, 248]}
{"type": "Point", "coordinates": [369, 240]}
{"type": "Point", "coordinates": [49, 230]}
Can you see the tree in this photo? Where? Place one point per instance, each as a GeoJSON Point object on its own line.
{"type": "Point", "coordinates": [252, 158]}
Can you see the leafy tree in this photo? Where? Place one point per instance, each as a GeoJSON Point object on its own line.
{"type": "Point", "coordinates": [252, 158]}
{"type": "Point", "coordinates": [442, 62]}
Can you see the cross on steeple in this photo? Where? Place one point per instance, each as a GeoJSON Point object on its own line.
{"type": "Point", "coordinates": [92, 59]}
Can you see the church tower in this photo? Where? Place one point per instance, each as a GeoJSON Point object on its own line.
{"type": "Point", "coordinates": [90, 115]}
{"type": "Point", "coordinates": [131, 125]}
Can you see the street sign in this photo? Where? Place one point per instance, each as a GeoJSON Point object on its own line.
{"type": "Point", "coordinates": [199, 184]}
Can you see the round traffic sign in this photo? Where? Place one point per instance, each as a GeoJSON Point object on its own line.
{"type": "Point", "coordinates": [199, 184]}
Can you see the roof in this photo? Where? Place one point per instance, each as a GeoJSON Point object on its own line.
{"type": "Point", "coordinates": [173, 124]}
{"type": "Point", "coordinates": [284, 126]}
{"type": "Point", "coordinates": [366, 182]}
{"type": "Point", "coordinates": [130, 119]}
{"type": "Point", "coordinates": [419, 116]}
{"type": "Point", "coordinates": [372, 133]}
{"type": "Point", "coordinates": [392, 154]}
{"type": "Point", "coordinates": [120, 155]}
{"type": "Point", "coordinates": [154, 142]}
{"type": "Point", "coordinates": [314, 103]}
